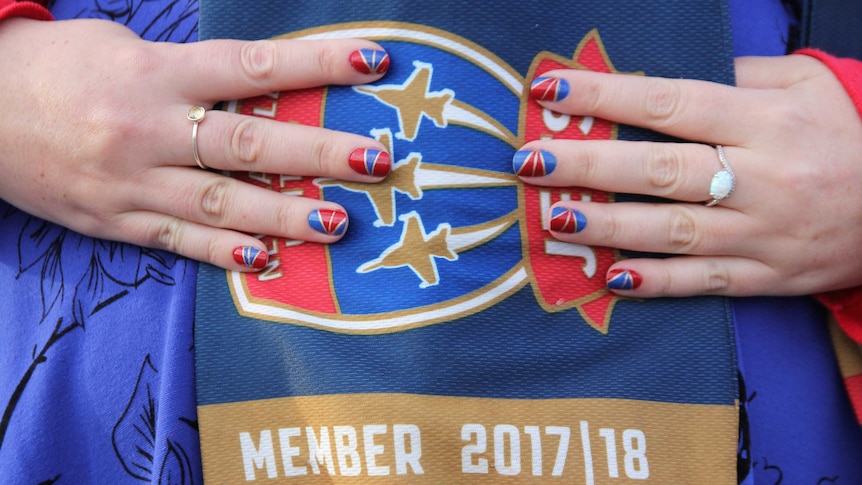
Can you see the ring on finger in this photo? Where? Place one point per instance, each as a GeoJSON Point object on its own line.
{"type": "Point", "coordinates": [196, 114]}
{"type": "Point", "coordinates": [723, 181]}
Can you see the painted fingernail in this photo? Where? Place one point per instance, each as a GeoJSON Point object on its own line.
{"type": "Point", "coordinates": [368, 161]}
{"type": "Point", "coordinates": [624, 279]}
{"type": "Point", "coordinates": [549, 89]}
{"type": "Point", "coordinates": [567, 220]}
{"type": "Point", "coordinates": [331, 222]}
{"type": "Point", "coordinates": [250, 257]}
{"type": "Point", "coordinates": [533, 163]}
{"type": "Point", "coordinates": [370, 61]}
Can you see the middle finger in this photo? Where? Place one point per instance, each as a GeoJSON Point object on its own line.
{"type": "Point", "coordinates": [228, 141]}
{"type": "Point", "coordinates": [679, 171]}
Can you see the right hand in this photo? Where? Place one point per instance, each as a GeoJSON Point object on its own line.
{"type": "Point", "coordinates": [94, 136]}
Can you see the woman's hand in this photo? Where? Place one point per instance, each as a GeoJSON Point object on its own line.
{"type": "Point", "coordinates": [793, 138]}
{"type": "Point", "coordinates": [94, 136]}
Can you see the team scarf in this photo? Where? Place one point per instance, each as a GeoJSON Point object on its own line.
{"type": "Point", "coordinates": [447, 338]}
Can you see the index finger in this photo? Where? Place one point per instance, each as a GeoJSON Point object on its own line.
{"type": "Point", "coordinates": [216, 70]}
{"type": "Point", "coordinates": [691, 109]}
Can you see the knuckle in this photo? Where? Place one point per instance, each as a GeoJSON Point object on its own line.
{"type": "Point", "coordinates": [168, 234]}
{"type": "Point", "coordinates": [93, 225]}
{"type": "Point", "coordinates": [613, 229]}
{"type": "Point", "coordinates": [258, 59]}
{"type": "Point", "coordinates": [138, 60]}
{"type": "Point", "coordinates": [213, 198]}
{"type": "Point", "coordinates": [682, 233]}
{"type": "Point", "coordinates": [662, 100]}
{"type": "Point", "coordinates": [591, 94]}
{"type": "Point", "coordinates": [663, 168]}
{"type": "Point", "coordinates": [324, 156]}
{"type": "Point", "coordinates": [246, 145]}
{"type": "Point", "coordinates": [212, 249]}
{"type": "Point", "coordinates": [667, 283]}
{"type": "Point", "coordinates": [284, 215]}
{"type": "Point", "coordinates": [587, 164]}
{"type": "Point", "coordinates": [326, 58]}
{"type": "Point", "coordinates": [716, 278]}
{"type": "Point", "coordinates": [800, 179]}
{"type": "Point", "coordinates": [791, 117]}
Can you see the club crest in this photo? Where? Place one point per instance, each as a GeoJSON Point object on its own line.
{"type": "Point", "coordinates": [452, 230]}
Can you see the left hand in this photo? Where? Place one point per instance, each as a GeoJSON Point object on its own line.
{"type": "Point", "coordinates": [794, 141]}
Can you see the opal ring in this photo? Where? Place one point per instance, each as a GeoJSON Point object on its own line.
{"type": "Point", "coordinates": [723, 182]}
{"type": "Point", "coordinates": [196, 114]}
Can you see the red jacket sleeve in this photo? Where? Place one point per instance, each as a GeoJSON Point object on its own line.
{"type": "Point", "coordinates": [34, 10]}
{"type": "Point", "coordinates": [845, 305]}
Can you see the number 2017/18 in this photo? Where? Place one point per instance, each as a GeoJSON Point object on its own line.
{"type": "Point", "coordinates": [507, 450]}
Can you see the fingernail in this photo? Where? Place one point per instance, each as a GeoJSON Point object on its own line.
{"type": "Point", "coordinates": [368, 161]}
{"type": "Point", "coordinates": [624, 279]}
{"type": "Point", "coordinates": [331, 222]}
{"type": "Point", "coordinates": [549, 89]}
{"type": "Point", "coordinates": [567, 220]}
{"type": "Point", "coordinates": [370, 61]}
{"type": "Point", "coordinates": [250, 257]}
{"type": "Point", "coordinates": [533, 163]}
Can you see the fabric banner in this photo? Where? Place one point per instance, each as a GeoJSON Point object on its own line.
{"type": "Point", "coordinates": [447, 337]}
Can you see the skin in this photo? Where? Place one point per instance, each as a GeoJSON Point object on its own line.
{"type": "Point", "coordinates": [794, 140]}
{"type": "Point", "coordinates": [87, 99]}
{"type": "Point", "coordinates": [94, 135]}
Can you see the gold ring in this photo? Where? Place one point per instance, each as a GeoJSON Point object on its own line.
{"type": "Point", "coordinates": [196, 114]}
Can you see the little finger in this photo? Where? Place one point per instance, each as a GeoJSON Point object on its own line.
{"type": "Point", "coordinates": [692, 275]}
{"type": "Point", "coordinates": [223, 248]}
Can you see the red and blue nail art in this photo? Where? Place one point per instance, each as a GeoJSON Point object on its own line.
{"type": "Point", "coordinates": [368, 161]}
{"type": "Point", "coordinates": [567, 220]}
{"type": "Point", "coordinates": [250, 257]}
{"type": "Point", "coordinates": [533, 163]}
{"type": "Point", "coordinates": [624, 279]}
{"type": "Point", "coordinates": [370, 61]}
{"type": "Point", "coordinates": [331, 222]}
{"type": "Point", "coordinates": [549, 89]}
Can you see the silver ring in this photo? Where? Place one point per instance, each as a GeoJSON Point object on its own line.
{"type": "Point", "coordinates": [196, 114]}
{"type": "Point", "coordinates": [723, 182]}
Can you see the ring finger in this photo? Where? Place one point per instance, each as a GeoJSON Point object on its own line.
{"type": "Point", "coordinates": [656, 228]}
{"type": "Point", "coordinates": [218, 201]}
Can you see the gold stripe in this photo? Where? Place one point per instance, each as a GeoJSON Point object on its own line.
{"type": "Point", "coordinates": [407, 438]}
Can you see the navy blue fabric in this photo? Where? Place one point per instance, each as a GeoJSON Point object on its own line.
{"type": "Point", "coordinates": [499, 26]}
{"type": "Point", "coordinates": [832, 26]}
{"type": "Point", "coordinates": [554, 345]}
